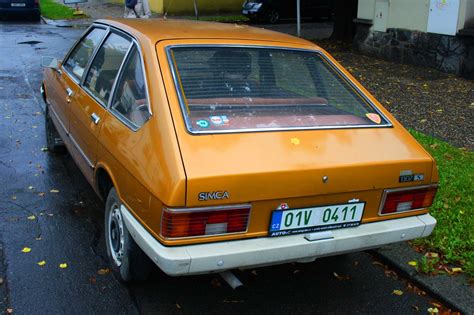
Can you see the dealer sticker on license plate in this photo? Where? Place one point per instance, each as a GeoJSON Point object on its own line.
{"type": "Point", "coordinates": [18, 4]}
{"type": "Point", "coordinates": [296, 221]}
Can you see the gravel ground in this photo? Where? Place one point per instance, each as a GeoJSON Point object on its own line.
{"type": "Point", "coordinates": [433, 102]}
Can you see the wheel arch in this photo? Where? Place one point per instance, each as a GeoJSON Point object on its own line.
{"type": "Point", "coordinates": [104, 181]}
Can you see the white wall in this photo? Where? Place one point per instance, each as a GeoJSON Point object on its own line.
{"type": "Point", "coordinates": [413, 14]}
{"type": "Point", "coordinates": [366, 9]}
{"type": "Point", "coordinates": [409, 14]}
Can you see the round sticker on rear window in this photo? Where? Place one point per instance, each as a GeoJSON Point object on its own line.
{"type": "Point", "coordinates": [202, 123]}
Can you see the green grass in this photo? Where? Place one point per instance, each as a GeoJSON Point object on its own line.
{"type": "Point", "coordinates": [50, 9]}
{"type": "Point", "coordinates": [453, 208]}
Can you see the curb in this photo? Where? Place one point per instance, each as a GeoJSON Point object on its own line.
{"type": "Point", "coordinates": [453, 291]}
{"type": "Point", "coordinates": [67, 23]}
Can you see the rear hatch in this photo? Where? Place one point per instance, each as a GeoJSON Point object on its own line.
{"type": "Point", "coordinates": [275, 127]}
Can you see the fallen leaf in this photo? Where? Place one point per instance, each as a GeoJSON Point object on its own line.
{"type": "Point", "coordinates": [295, 141]}
{"type": "Point", "coordinates": [397, 292]}
{"type": "Point", "coordinates": [439, 110]}
{"type": "Point", "coordinates": [92, 280]}
{"type": "Point", "coordinates": [436, 304]}
{"type": "Point", "coordinates": [31, 187]}
{"type": "Point", "coordinates": [41, 194]}
{"type": "Point", "coordinates": [13, 198]}
{"type": "Point", "coordinates": [103, 271]}
{"type": "Point", "coordinates": [41, 263]}
{"type": "Point", "coordinates": [416, 308]}
{"type": "Point", "coordinates": [339, 277]}
{"type": "Point", "coordinates": [432, 254]}
{"type": "Point", "coordinates": [456, 269]}
{"type": "Point", "coordinates": [63, 266]}
{"type": "Point", "coordinates": [434, 145]}
{"type": "Point", "coordinates": [9, 310]}
{"type": "Point", "coordinates": [44, 149]}
{"type": "Point", "coordinates": [54, 191]}
{"type": "Point", "coordinates": [1, 281]}
{"type": "Point", "coordinates": [26, 250]}
{"type": "Point", "coordinates": [423, 120]}
{"type": "Point", "coordinates": [178, 306]}
{"type": "Point", "coordinates": [38, 238]}
{"type": "Point", "coordinates": [412, 263]}
{"type": "Point", "coordinates": [31, 217]}
{"type": "Point", "coordinates": [433, 310]}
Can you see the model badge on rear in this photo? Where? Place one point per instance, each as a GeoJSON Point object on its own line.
{"type": "Point", "coordinates": [214, 195]}
{"type": "Point", "coordinates": [408, 176]}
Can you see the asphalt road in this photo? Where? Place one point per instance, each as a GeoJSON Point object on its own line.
{"type": "Point", "coordinates": [46, 205]}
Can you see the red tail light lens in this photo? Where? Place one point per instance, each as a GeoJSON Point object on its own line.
{"type": "Point", "coordinates": [406, 199]}
{"type": "Point", "coordinates": [194, 222]}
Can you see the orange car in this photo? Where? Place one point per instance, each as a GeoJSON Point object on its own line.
{"type": "Point", "coordinates": [225, 146]}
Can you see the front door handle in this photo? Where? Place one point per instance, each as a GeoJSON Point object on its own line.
{"type": "Point", "coordinates": [69, 92]}
{"type": "Point", "coordinates": [95, 118]}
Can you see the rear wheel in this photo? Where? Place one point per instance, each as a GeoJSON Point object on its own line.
{"type": "Point", "coordinates": [128, 261]}
{"type": "Point", "coordinates": [54, 143]}
{"type": "Point", "coordinates": [273, 16]}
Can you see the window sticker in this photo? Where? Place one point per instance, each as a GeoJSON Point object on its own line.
{"type": "Point", "coordinates": [202, 123]}
{"type": "Point", "coordinates": [374, 117]}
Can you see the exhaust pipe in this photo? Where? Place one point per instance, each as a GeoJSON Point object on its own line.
{"type": "Point", "coordinates": [231, 279]}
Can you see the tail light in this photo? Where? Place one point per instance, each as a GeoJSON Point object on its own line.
{"type": "Point", "coordinates": [407, 199]}
{"type": "Point", "coordinates": [195, 222]}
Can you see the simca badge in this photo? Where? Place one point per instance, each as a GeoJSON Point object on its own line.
{"type": "Point", "coordinates": [214, 195]}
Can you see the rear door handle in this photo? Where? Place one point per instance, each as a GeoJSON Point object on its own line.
{"type": "Point", "coordinates": [95, 118]}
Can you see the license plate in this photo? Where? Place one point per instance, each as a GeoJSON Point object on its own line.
{"type": "Point", "coordinates": [18, 4]}
{"type": "Point", "coordinates": [296, 221]}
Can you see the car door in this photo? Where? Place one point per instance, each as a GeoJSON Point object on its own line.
{"type": "Point", "coordinates": [65, 82]}
{"type": "Point", "coordinates": [91, 101]}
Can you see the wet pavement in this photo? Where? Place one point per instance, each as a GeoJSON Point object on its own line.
{"type": "Point", "coordinates": [49, 213]}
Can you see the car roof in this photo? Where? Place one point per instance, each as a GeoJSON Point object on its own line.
{"type": "Point", "coordinates": [156, 30]}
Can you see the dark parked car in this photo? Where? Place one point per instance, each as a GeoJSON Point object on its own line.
{"type": "Point", "coordinates": [272, 10]}
{"type": "Point", "coordinates": [28, 8]}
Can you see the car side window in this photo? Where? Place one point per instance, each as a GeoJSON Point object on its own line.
{"type": "Point", "coordinates": [77, 61]}
{"type": "Point", "coordinates": [130, 100]}
{"type": "Point", "coordinates": [105, 66]}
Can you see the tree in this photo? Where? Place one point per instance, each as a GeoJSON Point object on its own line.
{"type": "Point", "coordinates": [345, 11]}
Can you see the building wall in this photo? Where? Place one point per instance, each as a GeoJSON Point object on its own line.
{"type": "Point", "coordinates": [413, 14]}
{"type": "Point", "coordinates": [409, 14]}
{"type": "Point", "coordinates": [366, 9]}
{"type": "Point", "coordinates": [187, 6]}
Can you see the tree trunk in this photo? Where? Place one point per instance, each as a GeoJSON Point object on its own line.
{"type": "Point", "coordinates": [344, 12]}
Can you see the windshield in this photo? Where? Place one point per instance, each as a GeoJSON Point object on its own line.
{"type": "Point", "coordinates": [238, 89]}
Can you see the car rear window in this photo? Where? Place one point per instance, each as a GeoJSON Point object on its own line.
{"type": "Point", "coordinates": [237, 89]}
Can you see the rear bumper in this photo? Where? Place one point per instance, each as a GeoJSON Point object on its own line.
{"type": "Point", "coordinates": [26, 11]}
{"type": "Point", "coordinates": [217, 257]}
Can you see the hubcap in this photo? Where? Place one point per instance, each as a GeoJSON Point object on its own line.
{"type": "Point", "coordinates": [116, 239]}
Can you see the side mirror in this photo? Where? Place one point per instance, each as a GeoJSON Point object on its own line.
{"type": "Point", "coordinates": [50, 62]}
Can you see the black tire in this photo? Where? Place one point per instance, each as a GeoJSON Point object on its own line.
{"type": "Point", "coordinates": [128, 262]}
{"type": "Point", "coordinates": [273, 16]}
{"type": "Point", "coordinates": [54, 143]}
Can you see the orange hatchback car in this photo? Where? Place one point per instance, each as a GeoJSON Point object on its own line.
{"type": "Point", "coordinates": [225, 146]}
